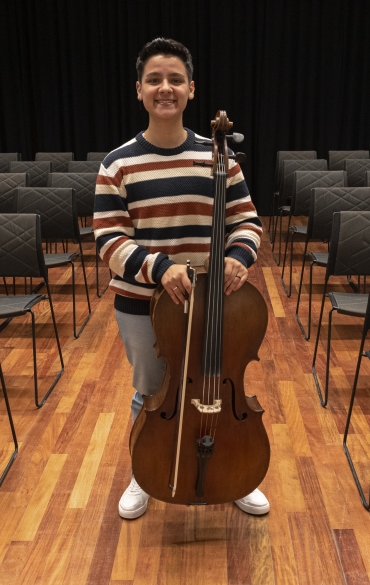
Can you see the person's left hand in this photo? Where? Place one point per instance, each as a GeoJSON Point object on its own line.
{"type": "Point", "coordinates": [235, 275]}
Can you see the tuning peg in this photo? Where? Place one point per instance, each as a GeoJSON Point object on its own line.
{"type": "Point", "coordinates": [239, 157]}
{"type": "Point", "coordinates": [235, 137]}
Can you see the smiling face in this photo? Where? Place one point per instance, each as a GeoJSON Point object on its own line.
{"type": "Point", "coordinates": [165, 88]}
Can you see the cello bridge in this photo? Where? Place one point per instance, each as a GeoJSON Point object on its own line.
{"type": "Point", "coordinates": [207, 408]}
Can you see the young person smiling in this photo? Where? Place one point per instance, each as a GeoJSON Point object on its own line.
{"type": "Point", "coordinates": [153, 212]}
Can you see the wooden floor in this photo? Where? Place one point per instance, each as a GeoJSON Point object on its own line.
{"type": "Point", "coordinates": [58, 505]}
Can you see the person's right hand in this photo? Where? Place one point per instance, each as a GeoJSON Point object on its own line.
{"type": "Point", "coordinates": [176, 281]}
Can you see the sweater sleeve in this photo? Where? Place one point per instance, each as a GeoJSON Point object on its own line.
{"type": "Point", "coordinates": [243, 226]}
{"type": "Point", "coordinates": [115, 232]}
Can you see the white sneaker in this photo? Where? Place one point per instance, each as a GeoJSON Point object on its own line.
{"type": "Point", "coordinates": [255, 503]}
{"type": "Point", "coordinates": [133, 502]}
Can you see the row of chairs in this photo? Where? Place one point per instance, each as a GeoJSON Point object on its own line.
{"type": "Point", "coordinates": [338, 215]}
{"type": "Point", "coordinates": [39, 171]}
{"type": "Point", "coordinates": [59, 160]}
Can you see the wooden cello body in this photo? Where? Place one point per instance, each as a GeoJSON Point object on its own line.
{"type": "Point", "coordinates": [188, 447]}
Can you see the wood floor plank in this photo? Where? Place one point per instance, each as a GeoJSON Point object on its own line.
{"type": "Point", "coordinates": [351, 559]}
{"type": "Point", "coordinates": [293, 496]}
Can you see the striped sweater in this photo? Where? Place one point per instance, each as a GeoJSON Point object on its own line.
{"type": "Point", "coordinates": [153, 208]}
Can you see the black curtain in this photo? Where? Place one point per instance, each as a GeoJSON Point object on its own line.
{"type": "Point", "coordinates": [291, 74]}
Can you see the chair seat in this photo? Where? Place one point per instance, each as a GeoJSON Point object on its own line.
{"type": "Point", "coordinates": [320, 258]}
{"type": "Point", "coordinates": [299, 229]}
{"type": "Point", "coordinates": [52, 260]}
{"type": "Point", "coordinates": [13, 306]}
{"type": "Point", "coordinates": [349, 303]}
{"type": "Point", "coordinates": [86, 231]}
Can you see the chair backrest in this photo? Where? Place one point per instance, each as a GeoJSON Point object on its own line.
{"type": "Point", "coordinates": [289, 155]}
{"type": "Point", "coordinates": [305, 181]}
{"type": "Point", "coordinates": [56, 207]}
{"type": "Point", "coordinates": [59, 159]}
{"type": "Point", "coordinates": [84, 186]}
{"type": "Point", "coordinates": [99, 156]}
{"type": "Point", "coordinates": [367, 179]}
{"type": "Point", "coordinates": [8, 184]}
{"type": "Point", "coordinates": [290, 166]}
{"type": "Point", "coordinates": [20, 246]}
{"type": "Point", "coordinates": [38, 171]}
{"type": "Point", "coordinates": [325, 202]}
{"type": "Point", "coordinates": [337, 157]}
{"type": "Point", "coordinates": [84, 166]}
{"type": "Point", "coordinates": [356, 169]}
{"type": "Point", "coordinates": [5, 158]}
{"type": "Point", "coordinates": [350, 244]}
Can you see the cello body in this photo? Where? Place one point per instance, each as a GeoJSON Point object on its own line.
{"type": "Point", "coordinates": [241, 453]}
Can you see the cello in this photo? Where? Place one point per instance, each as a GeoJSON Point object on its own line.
{"type": "Point", "coordinates": [199, 440]}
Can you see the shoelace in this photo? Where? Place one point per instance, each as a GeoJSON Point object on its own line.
{"type": "Point", "coordinates": [134, 487]}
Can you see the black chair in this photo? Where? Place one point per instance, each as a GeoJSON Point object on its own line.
{"type": "Point", "coordinates": [5, 158]}
{"type": "Point", "coordinates": [361, 354]}
{"type": "Point", "coordinates": [58, 211]}
{"type": "Point", "coordinates": [15, 441]}
{"type": "Point", "coordinates": [37, 171]}
{"type": "Point", "coordinates": [59, 160]}
{"type": "Point", "coordinates": [84, 186]}
{"type": "Point", "coordinates": [356, 169]}
{"type": "Point", "coordinates": [9, 182]}
{"type": "Point", "coordinates": [84, 166]}
{"type": "Point", "coordinates": [100, 156]}
{"type": "Point", "coordinates": [367, 179]}
{"type": "Point", "coordinates": [348, 254]}
{"type": "Point", "coordinates": [304, 182]}
{"type": "Point", "coordinates": [22, 256]}
{"type": "Point", "coordinates": [324, 202]}
{"type": "Point", "coordinates": [337, 157]}
{"type": "Point", "coordinates": [280, 157]}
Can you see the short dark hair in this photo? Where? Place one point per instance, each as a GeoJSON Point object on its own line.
{"type": "Point", "coordinates": [163, 46]}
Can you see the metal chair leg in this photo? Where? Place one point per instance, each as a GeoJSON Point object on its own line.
{"type": "Point", "coordinates": [365, 503]}
{"type": "Point", "coordinates": [77, 334]}
{"type": "Point", "coordinates": [99, 294]}
{"type": "Point", "coordinates": [15, 452]}
{"type": "Point", "coordinates": [317, 383]}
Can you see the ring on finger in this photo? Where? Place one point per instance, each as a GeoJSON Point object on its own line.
{"type": "Point", "coordinates": [175, 288]}
{"type": "Point", "coordinates": [237, 276]}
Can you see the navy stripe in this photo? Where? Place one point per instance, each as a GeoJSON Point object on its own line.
{"type": "Point", "coordinates": [167, 233]}
{"type": "Point", "coordinates": [109, 202]}
{"type": "Point", "coordinates": [170, 187]}
{"type": "Point", "coordinates": [236, 192]}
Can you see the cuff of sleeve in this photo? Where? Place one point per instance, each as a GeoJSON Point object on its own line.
{"type": "Point", "coordinates": [240, 254]}
{"type": "Point", "coordinates": [162, 267]}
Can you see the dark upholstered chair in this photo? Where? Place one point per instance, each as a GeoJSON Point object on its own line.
{"type": "Point", "coordinates": [361, 354]}
{"type": "Point", "coordinates": [58, 212]}
{"type": "Point", "coordinates": [5, 158]}
{"type": "Point", "coordinates": [9, 182]}
{"type": "Point", "coordinates": [37, 171]}
{"type": "Point", "coordinates": [324, 202]}
{"type": "Point", "coordinates": [348, 255]}
{"type": "Point", "coordinates": [84, 166]}
{"type": "Point", "coordinates": [337, 157]}
{"type": "Point", "coordinates": [304, 182]}
{"type": "Point", "coordinates": [100, 156]}
{"type": "Point", "coordinates": [356, 169]}
{"type": "Point", "coordinates": [59, 160]}
{"type": "Point", "coordinates": [21, 255]}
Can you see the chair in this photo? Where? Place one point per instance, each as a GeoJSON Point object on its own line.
{"type": "Point", "coordinates": [22, 256]}
{"type": "Point", "coordinates": [280, 156]}
{"type": "Point", "coordinates": [9, 182]}
{"type": "Point", "coordinates": [38, 171]}
{"type": "Point", "coordinates": [59, 160]}
{"type": "Point", "coordinates": [348, 254]}
{"type": "Point", "coordinates": [9, 412]}
{"type": "Point", "coordinates": [361, 354]}
{"type": "Point", "coordinates": [100, 156]}
{"type": "Point", "coordinates": [83, 166]}
{"type": "Point", "coordinates": [304, 182]}
{"type": "Point", "coordinates": [58, 211]}
{"type": "Point", "coordinates": [324, 202]}
{"type": "Point", "coordinates": [286, 192]}
{"type": "Point", "coordinates": [5, 158]}
{"type": "Point", "coordinates": [367, 179]}
{"type": "Point", "coordinates": [84, 186]}
{"type": "Point", "coordinates": [337, 157]}
{"type": "Point", "coordinates": [356, 169]}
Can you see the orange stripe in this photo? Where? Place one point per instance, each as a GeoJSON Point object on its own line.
{"type": "Point", "coordinates": [125, 293]}
{"type": "Point", "coordinates": [171, 209]}
{"type": "Point", "coordinates": [157, 166]}
{"type": "Point", "coordinates": [144, 272]}
{"type": "Point", "coordinates": [109, 253]}
{"type": "Point", "coordinates": [239, 208]}
{"type": "Point", "coordinates": [108, 222]}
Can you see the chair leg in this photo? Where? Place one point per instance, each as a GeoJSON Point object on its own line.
{"type": "Point", "coordinates": [77, 334]}
{"type": "Point", "coordinates": [7, 405]}
{"type": "Point", "coordinates": [323, 402]}
{"type": "Point", "coordinates": [279, 220]}
{"type": "Point", "coordinates": [288, 292]}
{"type": "Point", "coordinates": [271, 225]}
{"type": "Point", "coordinates": [361, 354]}
{"type": "Point", "coordinates": [306, 336]}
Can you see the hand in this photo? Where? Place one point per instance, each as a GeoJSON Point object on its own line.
{"type": "Point", "coordinates": [176, 281]}
{"type": "Point", "coordinates": [235, 275]}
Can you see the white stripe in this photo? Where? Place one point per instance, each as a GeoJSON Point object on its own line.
{"type": "Point", "coordinates": [138, 290]}
{"type": "Point", "coordinates": [172, 200]}
{"type": "Point", "coordinates": [173, 221]}
{"type": "Point", "coordinates": [173, 242]}
{"type": "Point", "coordinates": [168, 173]}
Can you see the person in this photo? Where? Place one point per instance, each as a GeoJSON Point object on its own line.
{"type": "Point", "coordinates": [153, 211]}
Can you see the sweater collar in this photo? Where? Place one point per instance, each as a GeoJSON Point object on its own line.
{"type": "Point", "coordinates": [187, 145]}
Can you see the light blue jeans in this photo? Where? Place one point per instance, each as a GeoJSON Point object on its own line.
{"type": "Point", "coordinates": [147, 370]}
